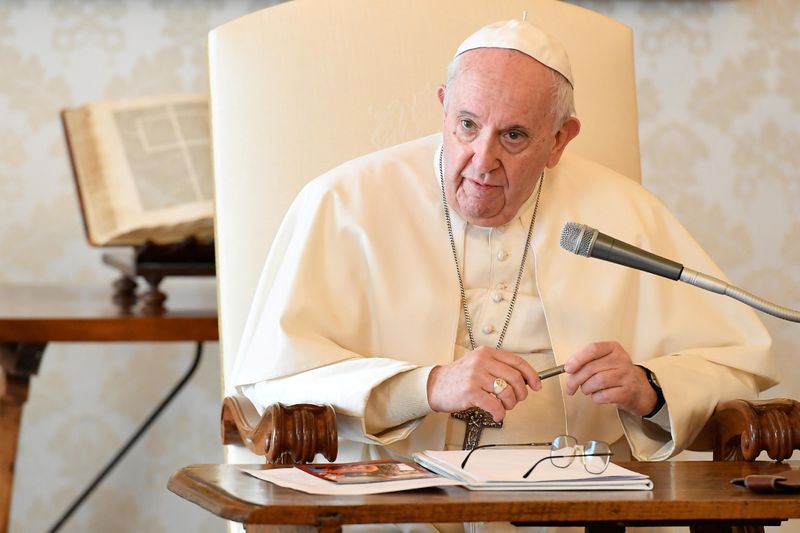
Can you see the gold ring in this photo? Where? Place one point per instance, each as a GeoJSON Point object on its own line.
{"type": "Point", "coordinates": [499, 386]}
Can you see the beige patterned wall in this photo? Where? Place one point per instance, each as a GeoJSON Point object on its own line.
{"type": "Point", "coordinates": [719, 94]}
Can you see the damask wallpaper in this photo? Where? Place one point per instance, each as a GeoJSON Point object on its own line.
{"type": "Point", "coordinates": [719, 97]}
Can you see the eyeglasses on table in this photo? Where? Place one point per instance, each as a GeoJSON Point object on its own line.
{"type": "Point", "coordinates": [595, 454]}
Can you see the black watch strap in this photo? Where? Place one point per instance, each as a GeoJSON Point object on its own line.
{"type": "Point", "coordinates": [660, 401]}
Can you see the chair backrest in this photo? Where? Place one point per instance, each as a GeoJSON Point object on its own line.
{"type": "Point", "coordinates": [302, 86]}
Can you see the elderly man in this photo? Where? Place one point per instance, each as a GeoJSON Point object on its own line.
{"type": "Point", "coordinates": [422, 285]}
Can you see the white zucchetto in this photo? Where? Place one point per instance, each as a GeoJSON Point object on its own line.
{"type": "Point", "coordinates": [523, 37]}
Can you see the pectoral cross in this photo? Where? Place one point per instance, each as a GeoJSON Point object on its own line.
{"type": "Point", "coordinates": [476, 419]}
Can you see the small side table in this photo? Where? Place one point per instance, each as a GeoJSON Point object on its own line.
{"type": "Point", "coordinates": [33, 316]}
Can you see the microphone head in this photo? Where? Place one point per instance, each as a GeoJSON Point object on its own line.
{"type": "Point", "coordinates": [577, 238]}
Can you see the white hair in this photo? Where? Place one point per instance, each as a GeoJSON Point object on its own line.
{"type": "Point", "coordinates": [563, 97]}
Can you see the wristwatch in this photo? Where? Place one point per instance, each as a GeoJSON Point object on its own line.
{"type": "Point", "coordinates": [653, 381]}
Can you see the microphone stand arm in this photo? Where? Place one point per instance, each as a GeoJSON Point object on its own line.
{"type": "Point", "coordinates": [710, 283]}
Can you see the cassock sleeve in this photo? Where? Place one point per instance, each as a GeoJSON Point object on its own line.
{"type": "Point", "coordinates": [393, 409]}
{"type": "Point", "coordinates": [692, 386]}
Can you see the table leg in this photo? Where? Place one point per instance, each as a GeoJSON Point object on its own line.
{"type": "Point", "coordinates": [18, 362]}
{"type": "Point", "coordinates": [14, 395]}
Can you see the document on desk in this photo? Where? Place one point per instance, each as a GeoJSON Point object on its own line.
{"type": "Point", "coordinates": [503, 469]}
{"type": "Point", "coordinates": [364, 477]}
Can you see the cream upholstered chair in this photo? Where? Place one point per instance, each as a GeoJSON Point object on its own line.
{"type": "Point", "coordinates": [303, 86]}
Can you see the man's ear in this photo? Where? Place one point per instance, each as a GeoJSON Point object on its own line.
{"type": "Point", "coordinates": [568, 131]}
{"type": "Point", "coordinates": [440, 93]}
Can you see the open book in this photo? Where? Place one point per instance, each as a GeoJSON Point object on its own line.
{"type": "Point", "coordinates": [143, 169]}
{"type": "Point", "coordinates": [503, 468]}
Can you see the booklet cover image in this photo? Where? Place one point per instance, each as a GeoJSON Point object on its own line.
{"type": "Point", "coordinates": [366, 471]}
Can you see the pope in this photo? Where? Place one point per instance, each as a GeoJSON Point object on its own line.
{"type": "Point", "coordinates": [423, 286]}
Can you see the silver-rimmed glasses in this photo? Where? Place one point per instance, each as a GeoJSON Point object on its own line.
{"type": "Point", "coordinates": [518, 445]}
{"type": "Point", "coordinates": [595, 455]}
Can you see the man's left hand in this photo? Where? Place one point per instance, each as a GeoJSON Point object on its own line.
{"type": "Point", "coordinates": [604, 371]}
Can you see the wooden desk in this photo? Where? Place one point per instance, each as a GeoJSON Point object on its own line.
{"type": "Point", "coordinates": [32, 316]}
{"type": "Point", "coordinates": [696, 493]}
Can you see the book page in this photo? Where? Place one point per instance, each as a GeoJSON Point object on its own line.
{"type": "Point", "coordinates": [99, 217]}
{"type": "Point", "coordinates": [151, 178]}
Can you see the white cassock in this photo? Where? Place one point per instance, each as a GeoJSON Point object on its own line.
{"type": "Point", "coordinates": [359, 299]}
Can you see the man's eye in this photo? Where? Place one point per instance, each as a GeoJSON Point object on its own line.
{"type": "Point", "coordinates": [467, 124]}
{"type": "Point", "coordinates": [514, 136]}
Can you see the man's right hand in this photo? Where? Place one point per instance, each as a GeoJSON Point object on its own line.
{"type": "Point", "coordinates": [468, 382]}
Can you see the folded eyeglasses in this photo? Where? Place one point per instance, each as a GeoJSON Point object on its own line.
{"type": "Point", "coordinates": [595, 454]}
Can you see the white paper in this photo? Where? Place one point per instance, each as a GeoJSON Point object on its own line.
{"type": "Point", "coordinates": [502, 469]}
{"type": "Point", "coordinates": [294, 478]}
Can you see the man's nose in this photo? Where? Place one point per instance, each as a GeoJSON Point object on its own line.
{"type": "Point", "coordinates": [486, 156]}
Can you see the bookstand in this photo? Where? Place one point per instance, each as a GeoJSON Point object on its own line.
{"type": "Point", "coordinates": [153, 262]}
{"type": "Point", "coordinates": [118, 173]}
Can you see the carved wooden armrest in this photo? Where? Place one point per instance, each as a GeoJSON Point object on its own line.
{"type": "Point", "coordinates": [285, 434]}
{"type": "Point", "coordinates": [744, 428]}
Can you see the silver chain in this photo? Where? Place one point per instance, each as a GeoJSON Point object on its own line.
{"type": "Point", "coordinates": [467, 317]}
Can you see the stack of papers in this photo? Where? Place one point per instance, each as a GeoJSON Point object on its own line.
{"type": "Point", "coordinates": [502, 469]}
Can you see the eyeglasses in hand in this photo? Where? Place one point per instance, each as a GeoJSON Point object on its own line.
{"type": "Point", "coordinates": [595, 455]}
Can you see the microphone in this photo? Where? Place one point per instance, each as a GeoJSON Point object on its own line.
{"type": "Point", "coordinates": [588, 242]}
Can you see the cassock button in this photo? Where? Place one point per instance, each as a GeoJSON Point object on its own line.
{"type": "Point", "coordinates": [497, 297]}
{"type": "Point", "coordinates": [488, 329]}
{"type": "Point", "coordinates": [502, 255]}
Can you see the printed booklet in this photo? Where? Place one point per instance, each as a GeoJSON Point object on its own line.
{"type": "Point", "coordinates": [502, 469]}
{"type": "Point", "coordinates": [358, 478]}
{"type": "Point", "coordinates": [367, 471]}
